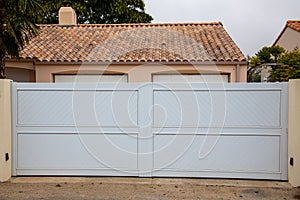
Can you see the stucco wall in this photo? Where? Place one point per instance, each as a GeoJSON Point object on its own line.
{"type": "Point", "coordinates": [20, 75]}
{"type": "Point", "coordinates": [294, 133]}
{"type": "Point", "coordinates": [289, 40]}
{"type": "Point", "coordinates": [20, 71]}
{"type": "Point", "coordinates": [5, 130]}
{"type": "Point", "coordinates": [138, 73]}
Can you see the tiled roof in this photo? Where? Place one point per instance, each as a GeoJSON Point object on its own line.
{"type": "Point", "coordinates": [294, 24]}
{"type": "Point", "coordinates": [129, 43]}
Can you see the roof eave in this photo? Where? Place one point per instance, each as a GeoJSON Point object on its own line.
{"type": "Point", "coordinates": [279, 36]}
{"type": "Point", "coordinates": [244, 62]}
{"type": "Point", "coordinates": [20, 60]}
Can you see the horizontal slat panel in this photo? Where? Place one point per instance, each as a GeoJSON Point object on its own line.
{"type": "Point", "coordinates": [217, 108]}
{"type": "Point", "coordinates": [81, 108]}
{"type": "Point", "coordinates": [66, 151]}
{"type": "Point", "coordinates": [218, 153]}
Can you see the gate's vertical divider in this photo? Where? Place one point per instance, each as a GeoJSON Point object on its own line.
{"type": "Point", "coordinates": [14, 100]}
{"type": "Point", "coordinates": [145, 137]}
{"type": "Point", "coordinates": [284, 126]}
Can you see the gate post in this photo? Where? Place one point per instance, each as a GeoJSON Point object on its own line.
{"type": "Point", "coordinates": [294, 133]}
{"type": "Point", "coordinates": [5, 130]}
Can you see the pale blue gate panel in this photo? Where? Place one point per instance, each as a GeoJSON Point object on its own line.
{"type": "Point", "coordinates": [150, 130]}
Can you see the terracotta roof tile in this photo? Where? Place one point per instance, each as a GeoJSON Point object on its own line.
{"type": "Point", "coordinates": [192, 42]}
{"type": "Point", "coordinates": [294, 24]}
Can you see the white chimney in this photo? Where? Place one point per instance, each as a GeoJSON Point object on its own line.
{"type": "Point", "coordinates": [67, 16]}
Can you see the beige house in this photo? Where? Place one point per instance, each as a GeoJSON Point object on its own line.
{"type": "Point", "coordinates": [170, 52]}
{"type": "Point", "coordinates": [289, 38]}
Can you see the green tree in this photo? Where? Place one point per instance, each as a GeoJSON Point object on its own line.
{"type": "Point", "coordinates": [265, 56]}
{"type": "Point", "coordinates": [17, 27]}
{"type": "Point", "coordinates": [289, 67]}
{"type": "Point", "coordinates": [97, 11]}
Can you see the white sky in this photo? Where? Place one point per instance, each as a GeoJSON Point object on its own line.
{"type": "Point", "coordinates": [251, 23]}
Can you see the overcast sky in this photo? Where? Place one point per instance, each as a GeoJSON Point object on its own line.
{"type": "Point", "coordinates": [251, 23]}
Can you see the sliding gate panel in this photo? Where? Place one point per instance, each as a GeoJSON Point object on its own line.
{"type": "Point", "coordinates": [62, 129]}
{"type": "Point", "coordinates": [230, 130]}
{"type": "Point", "coordinates": [152, 130]}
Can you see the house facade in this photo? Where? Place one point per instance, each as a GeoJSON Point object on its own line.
{"type": "Point", "coordinates": [170, 52]}
{"type": "Point", "coordinates": [289, 38]}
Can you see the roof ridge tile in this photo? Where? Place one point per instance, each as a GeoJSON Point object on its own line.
{"type": "Point", "coordinates": [134, 24]}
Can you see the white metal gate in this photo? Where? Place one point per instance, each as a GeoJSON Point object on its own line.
{"type": "Point", "coordinates": [172, 130]}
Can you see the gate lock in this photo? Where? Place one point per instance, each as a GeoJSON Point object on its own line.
{"type": "Point", "coordinates": [6, 157]}
{"type": "Point", "coordinates": [292, 161]}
